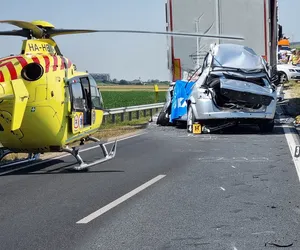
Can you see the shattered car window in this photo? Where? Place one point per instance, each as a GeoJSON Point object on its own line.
{"type": "Point", "coordinates": [236, 56]}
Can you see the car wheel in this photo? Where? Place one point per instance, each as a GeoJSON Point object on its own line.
{"type": "Point", "coordinates": [266, 126]}
{"type": "Point", "coordinates": [283, 77]}
{"type": "Point", "coordinates": [190, 119]}
{"type": "Point", "coordinates": [162, 119]}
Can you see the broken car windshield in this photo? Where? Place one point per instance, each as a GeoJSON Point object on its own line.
{"type": "Point", "coordinates": [232, 56]}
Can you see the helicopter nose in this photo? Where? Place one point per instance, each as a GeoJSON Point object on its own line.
{"type": "Point", "coordinates": [2, 91]}
{"type": "Point", "coordinates": [15, 90]}
{"type": "Point", "coordinates": [6, 91]}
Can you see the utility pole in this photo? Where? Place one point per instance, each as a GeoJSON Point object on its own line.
{"type": "Point", "coordinates": [218, 19]}
{"type": "Point", "coordinates": [198, 45]}
{"type": "Point", "coordinates": [197, 21]}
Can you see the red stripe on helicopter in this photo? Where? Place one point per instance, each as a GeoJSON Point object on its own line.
{"type": "Point", "coordinates": [55, 63]}
{"type": "Point", "coordinates": [69, 63]}
{"type": "Point", "coordinates": [9, 58]}
{"type": "Point", "coordinates": [35, 59]}
{"type": "Point", "coordinates": [12, 70]}
{"type": "Point", "coordinates": [62, 66]}
{"type": "Point", "coordinates": [22, 61]}
{"type": "Point", "coordinates": [2, 77]}
{"type": "Point", "coordinates": [47, 63]}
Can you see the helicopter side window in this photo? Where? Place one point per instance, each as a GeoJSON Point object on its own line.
{"type": "Point", "coordinates": [96, 97]}
{"type": "Point", "coordinates": [86, 88]}
{"type": "Point", "coordinates": [77, 96]}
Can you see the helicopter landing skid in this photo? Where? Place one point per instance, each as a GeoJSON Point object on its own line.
{"type": "Point", "coordinates": [84, 166]}
{"type": "Point", "coordinates": [5, 152]}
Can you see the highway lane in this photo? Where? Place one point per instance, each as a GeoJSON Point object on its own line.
{"type": "Point", "coordinates": [220, 191]}
{"type": "Point", "coordinates": [40, 208]}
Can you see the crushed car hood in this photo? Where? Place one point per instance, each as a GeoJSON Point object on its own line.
{"type": "Point", "coordinates": [237, 56]}
{"type": "Point", "coordinates": [244, 91]}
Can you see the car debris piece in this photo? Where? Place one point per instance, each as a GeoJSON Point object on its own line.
{"type": "Point", "coordinates": [278, 245]}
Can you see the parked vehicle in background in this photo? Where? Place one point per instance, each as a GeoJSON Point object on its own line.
{"type": "Point", "coordinates": [255, 20]}
{"type": "Point", "coordinates": [288, 72]}
{"type": "Point", "coordinates": [257, 24]}
{"type": "Point", "coordinates": [164, 115]}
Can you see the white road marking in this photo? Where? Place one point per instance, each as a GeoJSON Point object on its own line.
{"type": "Point", "coordinates": [123, 198]}
{"type": "Point", "coordinates": [292, 143]}
{"type": "Point", "coordinates": [222, 188]}
{"type": "Point", "coordinates": [234, 159]}
{"type": "Point", "coordinates": [65, 155]}
{"type": "Point", "coordinates": [265, 232]}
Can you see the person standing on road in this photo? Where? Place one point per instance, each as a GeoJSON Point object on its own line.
{"type": "Point", "coordinates": [295, 57]}
{"type": "Point", "coordinates": [284, 58]}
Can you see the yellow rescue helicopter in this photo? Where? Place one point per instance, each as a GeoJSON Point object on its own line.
{"type": "Point", "coordinates": [45, 103]}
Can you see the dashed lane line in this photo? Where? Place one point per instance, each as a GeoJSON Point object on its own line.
{"type": "Point", "coordinates": [118, 201]}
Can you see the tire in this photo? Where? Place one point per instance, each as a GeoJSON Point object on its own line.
{"type": "Point", "coordinates": [283, 77]}
{"type": "Point", "coordinates": [190, 119]}
{"type": "Point", "coordinates": [266, 126]}
{"type": "Point", "coordinates": [162, 119]}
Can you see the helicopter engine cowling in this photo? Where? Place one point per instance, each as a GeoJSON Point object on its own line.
{"type": "Point", "coordinates": [32, 72]}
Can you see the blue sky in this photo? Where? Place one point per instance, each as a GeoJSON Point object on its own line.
{"type": "Point", "coordinates": [288, 15]}
{"type": "Point", "coordinates": [124, 56]}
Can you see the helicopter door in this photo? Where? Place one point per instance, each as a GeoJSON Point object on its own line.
{"type": "Point", "coordinates": [87, 104]}
{"type": "Point", "coordinates": [80, 105]}
{"type": "Point", "coordinates": [87, 117]}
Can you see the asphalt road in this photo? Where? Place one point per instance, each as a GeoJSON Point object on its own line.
{"type": "Point", "coordinates": [217, 191]}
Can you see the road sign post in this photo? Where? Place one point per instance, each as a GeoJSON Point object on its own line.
{"type": "Point", "coordinates": [156, 92]}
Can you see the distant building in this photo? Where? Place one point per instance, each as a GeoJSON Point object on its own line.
{"type": "Point", "coordinates": [136, 81]}
{"type": "Point", "coordinates": [295, 44]}
{"type": "Point", "coordinates": [101, 77]}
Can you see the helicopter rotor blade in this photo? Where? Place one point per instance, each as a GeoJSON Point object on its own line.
{"type": "Point", "coordinates": [37, 32]}
{"type": "Point", "coordinates": [55, 32]}
{"type": "Point", "coordinates": [23, 33]}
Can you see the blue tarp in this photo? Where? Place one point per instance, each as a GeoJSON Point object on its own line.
{"type": "Point", "coordinates": [181, 92]}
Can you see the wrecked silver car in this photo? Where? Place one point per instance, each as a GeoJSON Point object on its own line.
{"type": "Point", "coordinates": [234, 86]}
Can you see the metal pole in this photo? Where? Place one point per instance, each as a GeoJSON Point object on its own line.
{"type": "Point", "coordinates": [218, 20]}
{"type": "Point", "coordinates": [198, 44]}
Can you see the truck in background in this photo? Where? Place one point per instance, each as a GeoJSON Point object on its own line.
{"type": "Point", "coordinates": [255, 20]}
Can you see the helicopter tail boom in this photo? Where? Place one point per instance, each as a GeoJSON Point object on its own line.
{"type": "Point", "coordinates": [16, 91]}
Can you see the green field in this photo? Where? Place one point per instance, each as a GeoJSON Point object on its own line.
{"type": "Point", "coordinates": [115, 99]}
{"type": "Point", "coordinates": [132, 87]}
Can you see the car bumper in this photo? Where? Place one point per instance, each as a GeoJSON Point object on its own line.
{"type": "Point", "coordinates": [205, 109]}
{"type": "Point", "coordinates": [294, 76]}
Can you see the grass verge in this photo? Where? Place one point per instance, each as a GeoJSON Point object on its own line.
{"type": "Point", "coordinates": [292, 93]}
{"type": "Point", "coordinates": [106, 87]}
{"type": "Point", "coordinates": [116, 99]}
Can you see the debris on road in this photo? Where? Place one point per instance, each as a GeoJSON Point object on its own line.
{"type": "Point", "coordinates": [277, 245]}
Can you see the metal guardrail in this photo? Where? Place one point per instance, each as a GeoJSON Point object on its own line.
{"type": "Point", "coordinates": [124, 110]}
